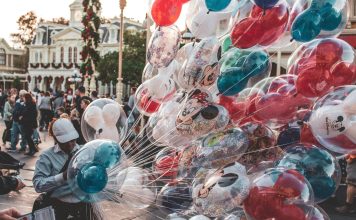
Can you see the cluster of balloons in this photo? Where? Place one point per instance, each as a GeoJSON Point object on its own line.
{"type": "Point", "coordinates": [235, 141]}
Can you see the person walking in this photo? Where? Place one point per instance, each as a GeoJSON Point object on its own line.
{"type": "Point", "coordinates": [45, 111]}
{"type": "Point", "coordinates": [28, 120]}
{"type": "Point", "coordinates": [8, 109]}
{"type": "Point", "coordinates": [50, 176]}
{"type": "Point", "coordinates": [58, 102]}
{"type": "Point", "coordinates": [16, 128]}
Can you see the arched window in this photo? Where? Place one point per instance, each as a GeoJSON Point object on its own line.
{"type": "Point", "coordinates": [54, 57]}
{"type": "Point", "coordinates": [62, 54]}
{"type": "Point", "coordinates": [2, 56]}
{"type": "Point", "coordinates": [75, 52]}
{"type": "Point", "coordinates": [70, 55]}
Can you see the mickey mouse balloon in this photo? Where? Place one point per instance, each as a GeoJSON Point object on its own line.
{"type": "Point", "coordinates": [104, 119]}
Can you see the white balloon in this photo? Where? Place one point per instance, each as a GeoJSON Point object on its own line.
{"type": "Point", "coordinates": [199, 217]}
{"type": "Point", "coordinates": [111, 113]}
{"type": "Point", "coordinates": [94, 117]}
{"type": "Point", "coordinates": [350, 103]}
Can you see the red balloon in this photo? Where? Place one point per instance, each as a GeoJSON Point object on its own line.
{"type": "Point", "coordinates": [307, 137]}
{"type": "Point", "coordinates": [328, 52]}
{"type": "Point", "coordinates": [147, 104]}
{"type": "Point", "coordinates": [344, 74]}
{"type": "Point", "coordinates": [314, 82]}
{"type": "Point", "coordinates": [168, 166]}
{"type": "Point", "coordinates": [246, 33]}
{"type": "Point", "coordinates": [287, 185]}
{"type": "Point", "coordinates": [183, 1]}
{"type": "Point", "coordinates": [166, 12]}
{"type": "Point", "coordinates": [236, 109]}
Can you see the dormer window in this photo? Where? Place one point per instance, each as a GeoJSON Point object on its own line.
{"type": "Point", "coordinates": [39, 37]}
{"type": "Point", "coordinates": [113, 35]}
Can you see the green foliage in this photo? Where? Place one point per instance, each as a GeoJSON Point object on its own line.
{"type": "Point", "coordinates": [16, 83]}
{"type": "Point", "coordinates": [134, 58]}
{"type": "Point", "coordinates": [27, 27]}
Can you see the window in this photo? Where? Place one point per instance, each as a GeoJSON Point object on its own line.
{"type": "Point", "coordinates": [54, 57]}
{"type": "Point", "coordinates": [36, 57]}
{"type": "Point", "coordinates": [2, 56]}
{"type": "Point", "coordinates": [40, 57]}
{"type": "Point", "coordinates": [112, 35]}
{"type": "Point", "coordinates": [75, 52]}
{"type": "Point", "coordinates": [70, 55]}
{"type": "Point", "coordinates": [62, 54]}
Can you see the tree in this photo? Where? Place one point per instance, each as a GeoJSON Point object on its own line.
{"type": "Point", "coordinates": [27, 27]}
{"type": "Point", "coordinates": [16, 83]}
{"type": "Point", "coordinates": [60, 20]}
{"type": "Point", "coordinates": [134, 58]}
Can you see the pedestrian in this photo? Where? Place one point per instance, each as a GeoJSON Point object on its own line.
{"type": "Point", "coordinates": [75, 119]}
{"type": "Point", "coordinates": [94, 95]}
{"type": "Point", "coordinates": [58, 102]}
{"type": "Point", "coordinates": [80, 96]}
{"type": "Point", "coordinates": [60, 111]}
{"type": "Point", "coordinates": [3, 99]}
{"type": "Point", "coordinates": [349, 207]}
{"type": "Point", "coordinates": [50, 176]}
{"type": "Point", "coordinates": [8, 109]}
{"type": "Point", "coordinates": [45, 111]}
{"type": "Point", "coordinates": [29, 123]}
{"type": "Point", "coordinates": [16, 128]}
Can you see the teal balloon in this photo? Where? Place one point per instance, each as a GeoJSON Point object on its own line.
{"type": "Point", "coordinates": [217, 5]}
{"type": "Point", "coordinates": [306, 26]}
{"type": "Point", "coordinates": [107, 154]}
{"type": "Point", "coordinates": [232, 81]}
{"type": "Point", "coordinates": [226, 44]}
{"type": "Point", "coordinates": [256, 63]}
{"type": "Point", "coordinates": [92, 178]}
{"type": "Point", "coordinates": [233, 58]}
{"type": "Point", "coordinates": [318, 4]}
{"type": "Point", "coordinates": [318, 166]}
{"type": "Point", "coordinates": [330, 18]}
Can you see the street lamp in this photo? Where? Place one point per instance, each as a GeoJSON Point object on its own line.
{"type": "Point", "coordinates": [75, 78]}
{"type": "Point", "coordinates": [119, 79]}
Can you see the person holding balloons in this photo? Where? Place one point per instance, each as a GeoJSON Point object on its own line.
{"type": "Point", "coordinates": [350, 207]}
{"type": "Point", "coordinates": [50, 177]}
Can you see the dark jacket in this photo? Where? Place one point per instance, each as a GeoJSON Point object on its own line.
{"type": "Point", "coordinates": [29, 113]}
{"type": "Point", "coordinates": [18, 111]}
{"type": "Point", "coordinates": [7, 184]}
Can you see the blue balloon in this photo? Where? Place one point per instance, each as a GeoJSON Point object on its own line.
{"type": "Point", "coordinates": [288, 137]}
{"type": "Point", "coordinates": [256, 63]}
{"type": "Point", "coordinates": [266, 4]}
{"type": "Point", "coordinates": [232, 81]}
{"type": "Point", "coordinates": [330, 18]}
{"type": "Point", "coordinates": [92, 178]}
{"type": "Point", "coordinates": [107, 154]}
{"type": "Point", "coordinates": [217, 5]}
{"type": "Point", "coordinates": [306, 26]}
{"type": "Point", "coordinates": [318, 166]}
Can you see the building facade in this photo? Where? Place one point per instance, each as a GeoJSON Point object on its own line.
{"type": "Point", "coordinates": [54, 55]}
{"type": "Point", "coordinates": [12, 66]}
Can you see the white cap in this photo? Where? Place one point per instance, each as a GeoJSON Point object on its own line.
{"type": "Point", "coordinates": [64, 131]}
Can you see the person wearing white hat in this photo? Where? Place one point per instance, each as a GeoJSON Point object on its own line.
{"type": "Point", "coordinates": [50, 177]}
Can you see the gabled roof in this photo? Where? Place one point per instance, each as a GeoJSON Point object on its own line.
{"type": "Point", "coordinates": [66, 31]}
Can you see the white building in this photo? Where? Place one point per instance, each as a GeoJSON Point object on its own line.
{"type": "Point", "coordinates": [12, 65]}
{"type": "Point", "coordinates": [55, 50]}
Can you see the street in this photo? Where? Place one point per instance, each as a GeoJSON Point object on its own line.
{"type": "Point", "coordinates": [23, 200]}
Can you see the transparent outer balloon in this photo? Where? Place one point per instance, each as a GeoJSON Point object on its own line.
{"type": "Point", "coordinates": [219, 149]}
{"type": "Point", "coordinates": [89, 169]}
{"type": "Point", "coordinates": [222, 191]}
{"type": "Point", "coordinates": [333, 120]}
{"type": "Point", "coordinates": [277, 194]}
{"type": "Point", "coordinates": [319, 167]}
{"type": "Point", "coordinates": [149, 72]}
{"type": "Point", "coordinates": [317, 213]}
{"type": "Point", "coordinates": [104, 119]}
{"type": "Point", "coordinates": [201, 69]}
{"type": "Point", "coordinates": [166, 164]}
{"type": "Point", "coordinates": [321, 65]}
{"type": "Point", "coordinates": [322, 19]}
{"type": "Point", "coordinates": [203, 23]}
{"type": "Point", "coordinates": [255, 28]}
{"type": "Point", "coordinates": [185, 52]}
{"type": "Point", "coordinates": [163, 46]}
{"type": "Point", "coordinates": [281, 94]}
{"type": "Point", "coordinates": [137, 187]}
{"type": "Point", "coordinates": [261, 146]}
{"type": "Point", "coordinates": [199, 115]}
{"type": "Point", "coordinates": [186, 170]}
{"type": "Point", "coordinates": [153, 92]}
{"type": "Point", "coordinates": [175, 196]}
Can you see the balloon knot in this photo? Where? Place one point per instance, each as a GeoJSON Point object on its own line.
{"type": "Point", "coordinates": [208, 12]}
{"type": "Point", "coordinates": [291, 40]}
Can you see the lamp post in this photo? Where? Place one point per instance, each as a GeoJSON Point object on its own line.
{"type": "Point", "coordinates": [75, 78]}
{"type": "Point", "coordinates": [119, 79]}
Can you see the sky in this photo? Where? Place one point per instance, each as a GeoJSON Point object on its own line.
{"type": "Point", "coordinates": [11, 10]}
